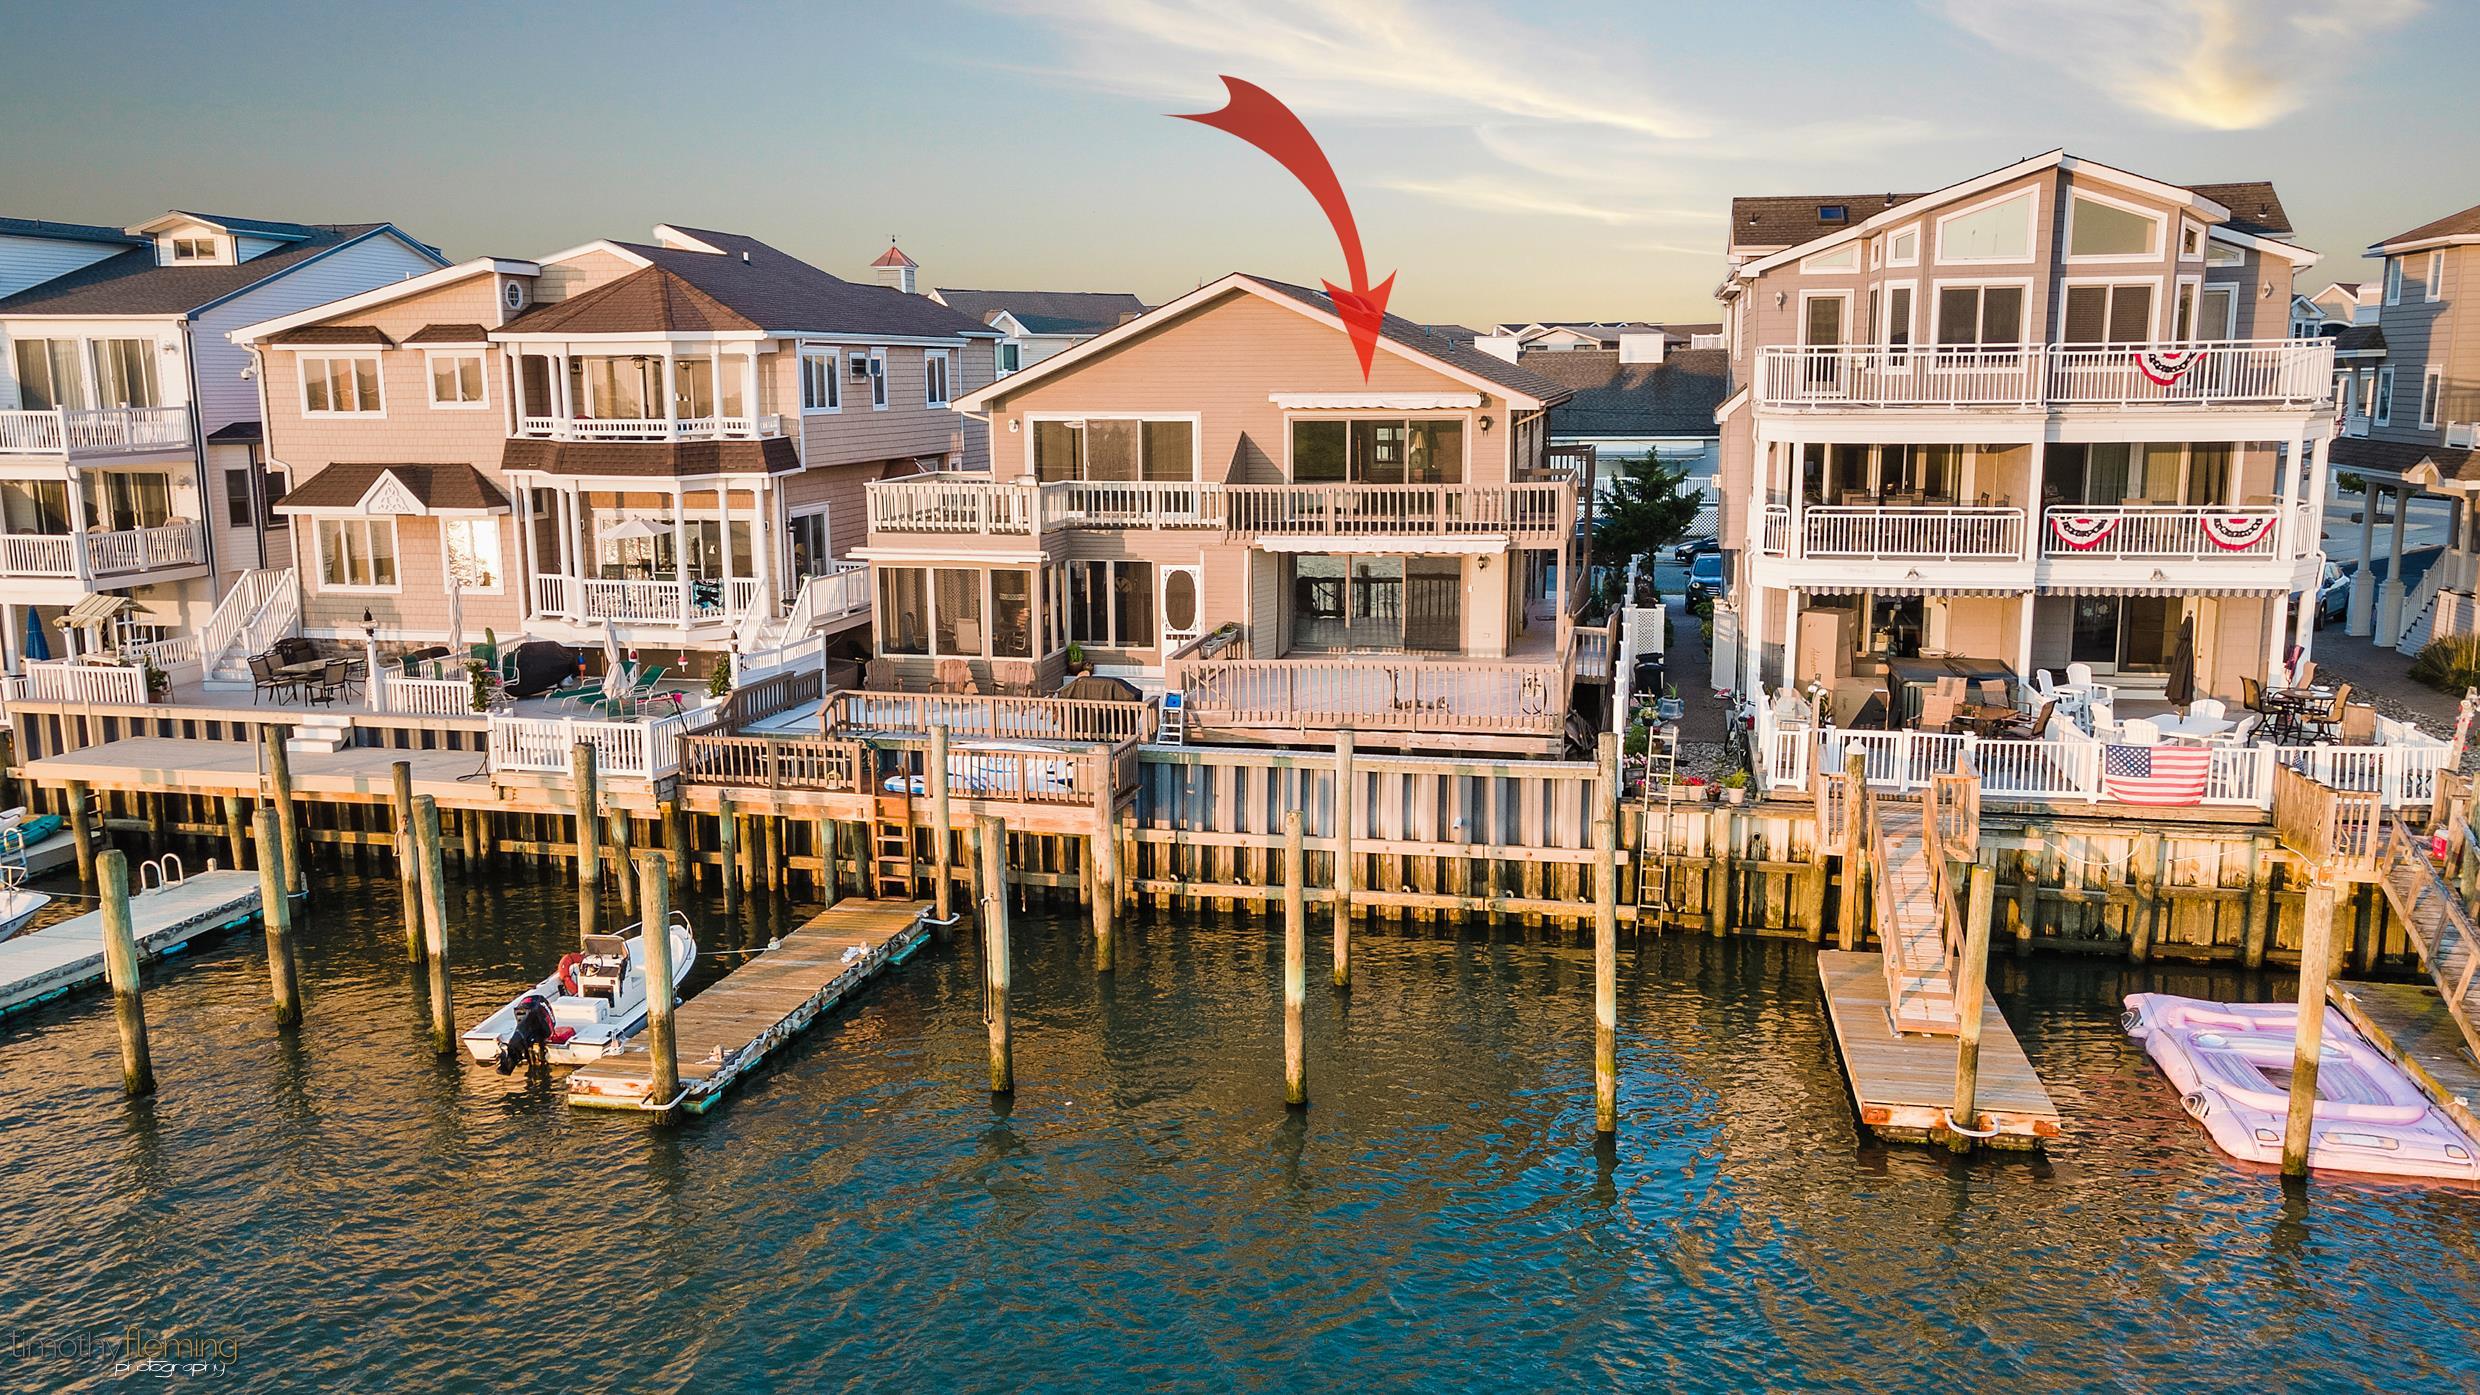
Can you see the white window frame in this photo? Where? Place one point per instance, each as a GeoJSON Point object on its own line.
{"type": "Point", "coordinates": [798, 513]}
{"type": "Point", "coordinates": [396, 550]}
{"type": "Point", "coordinates": [207, 250]}
{"type": "Point", "coordinates": [2393, 280]}
{"type": "Point", "coordinates": [2186, 300]}
{"type": "Point", "coordinates": [2032, 230]}
{"type": "Point", "coordinates": [1911, 318]}
{"type": "Point", "coordinates": [489, 525]}
{"type": "Point", "coordinates": [947, 388]}
{"type": "Point", "coordinates": [2434, 287]}
{"type": "Point", "coordinates": [1004, 351]}
{"type": "Point", "coordinates": [2230, 318]}
{"type": "Point", "coordinates": [378, 376]}
{"type": "Point", "coordinates": [834, 363]}
{"type": "Point", "coordinates": [1913, 231]}
{"type": "Point", "coordinates": [2191, 233]}
{"type": "Point", "coordinates": [430, 379]}
{"type": "Point", "coordinates": [2152, 248]}
{"type": "Point", "coordinates": [1844, 296]}
{"type": "Point", "coordinates": [1937, 309]}
{"type": "Point", "coordinates": [878, 380]}
{"type": "Point", "coordinates": [2218, 253]}
{"type": "Point", "coordinates": [1817, 263]}
{"type": "Point", "coordinates": [1197, 434]}
{"type": "Point", "coordinates": [2153, 317]}
{"type": "Point", "coordinates": [2432, 398]}
{"type": "Point", "coordinates": [2384, 414]}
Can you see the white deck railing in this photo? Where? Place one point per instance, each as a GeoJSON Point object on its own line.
{"type": "Point", "coordinates": [644, 750]}
{"type": "Point", "coordinates": [969, 502]}
{"type": "Point", "coordinates": [62, 432]}
{"type": "Point", "coordinates": [1376, 692]}
{"type": "Point", "coordinates": [639, 601]}
{"type": "Point", "coordinates": [2250, 373]}
{"type": "Point", "coordinates": [2162, 532]}
{"type": "Point", "coordinates": [650, 428]}
{"type": "Point", "coordinates": [174, 544]}
{"type": "Point", "coordinates": [68, 680]}
{"type": "Point", "coordinates": [1848, 531]}
{"type": "Point", "coordinates": [426, 697]}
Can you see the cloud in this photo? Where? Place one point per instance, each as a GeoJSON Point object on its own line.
{"type": "Point", "coordinates": [2222, 65]}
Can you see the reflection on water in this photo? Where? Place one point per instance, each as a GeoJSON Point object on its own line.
{"type": "Point", "coordinates": [1145, 1213]}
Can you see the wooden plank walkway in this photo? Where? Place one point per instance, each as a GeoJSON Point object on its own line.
{"type": "Point", "coordinates": [1904, 1084]}
{"type": "Point", "coordinates": [2410, 1024]}
{"type": "Point", "coordinates": [2440, 927]}
{"type": "Point", "coordinates": [1910, 927]}
{"type": "Point", "coordinates": [725, 1031]}
{"type": "Point", "coordinates": [44, 964]}
{"type": "Point", "coordinates": [168, 764]}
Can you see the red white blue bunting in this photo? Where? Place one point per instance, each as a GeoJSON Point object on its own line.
{"type": "Point", "coordinates": [2083, 531]}
{"type": "Point", "coordinates": [2166, 367]}
{"type": "Point", "coordinates": [2236, 532]}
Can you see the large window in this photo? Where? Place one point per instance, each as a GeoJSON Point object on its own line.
{"type": "Point", "coordinates": [1100, 448]}
{"type": "Point", "coordinates": [125, 373]}
{"type": "Point", "coordinates": [2121, 314]}
{"type": "Point", "coordinates": [472, 546]}
{"type": "Point", "coordinates": [1011, 615]}
{"type": "Point", "coordinates": [1383, 604]}
{"type": "Point", "coordinates": [2099, 229]}
{"type": "Point", "coordinates": [934, 377]}
{"type": "Point", "coordinates": [957, 604]}
{"type": "Point", "coordinates": [340, 385]}
{"type": "Point", "coordinates": [1984, 315]}
{"type": "Point", "coordinates": [820, 391]}
{"type": "Point", "coordinates": [48, 376]}
{"type": "Point", "coordinates": [1111, 604]}
{"type": "Point", "coordinates": [903, 610]}
{"type": "Point", "coordinates": [1996, 232]}
{"type": "Point", "coordinates": [34, 506]}
{"type": "Point", "coordinates": [1381, 451]}
{"type": "Point", "coordinates": [122, 499]}
{"type": "Point", "coordinates": [456, 380]}
{"type": "Point", "coordinates": [616, 388]}
{"type": "Point", "coordinates": [357, 554]}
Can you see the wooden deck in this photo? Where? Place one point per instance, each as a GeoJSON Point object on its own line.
{"type": "Point", "coordinates": [724, 1032]}
{"type": "Point", "coordinates": [168, 764]}
{"type": "Point", "coordinates": [1904, 1084]}
{"type": "Point", "coordinates": [2410, 1024]}
{"type": "Point", "coordinates": [44, 964]}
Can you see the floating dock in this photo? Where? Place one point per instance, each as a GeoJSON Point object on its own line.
{"type": "Point", "coordinates": [724, 1032]}
{"type": "Point", "coordinates": [1905, 1083]}
{"type": "Point", "coordinates": [2410, 1024]}
{"type": "Point", "coordinates": [44, 964]}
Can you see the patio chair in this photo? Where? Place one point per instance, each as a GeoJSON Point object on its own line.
{"type": "Point", "coordinates": [2359, 725]}
{"type": "Point", "coordinates": [2034, 729]}
{"type": "Point", "coordinates": [265, 679]}
{"type": "Point", "coordinates": [2306, 677]}
{"type": "Point", "coordinates": [2137, 731]}
{"type": "Point", "coordinates": [1993, 693]}
{"type": "Point", "coordinates": [2327, 721]}
{"type": "Point", "coordinates": [1015, 677]}
{"type": "Point", "coordinates": [2079, 675]}
{"type": "Point", "coordinates": [330, 683]}
{"type": "Point", "coordinates": [879, 676]}
{"type": "Point", "coordinates": [1937, 713]}
{"type": "Point", "coordinates": [953, 676]}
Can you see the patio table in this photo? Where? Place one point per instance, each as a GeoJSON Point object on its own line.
{"type": "Point", "coordinates": [2194, 726]}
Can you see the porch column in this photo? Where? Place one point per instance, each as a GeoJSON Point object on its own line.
{"type": "Point", "coordinates": [1791, 638]}
{"type": "Point", "coordinates": [2390, 599]}
{"type": "Point", "coordinates": [1793, 528]}
{"type": "Point", "coordinates": [714, 371]}
{"type": "Point", "coordinates": [516, 389]}
{"type": "Point", "coordinates": [671, 394]}
{"type": "Point", "coordinates": [2023, 640]}
{"type": "Point", "coordinates": [680, 549]}
{"type": "Point", "coordinates": [749, 389]}
{"type": "Point", "coordinates": [1752, 642]}
{"type": "Point", "coordinates": [760, 538]}
{"type": "Point", "coordinates": [523, 498]}
{"type": "Point", "coordinates": [564, 410]}
{"type": "Point", "coordinates": [573, 591]}
{"type": "Point", "coordinates": [78, 557]}
{"type": "Point", "coordinates": [2034, 469]}
{"type": "Point", "coordinates": [2278, 630]}
{"type": "Point", "coordinates": [2362, 616]}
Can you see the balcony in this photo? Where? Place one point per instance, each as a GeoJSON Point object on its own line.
{"type": "Point", "coordinates": [1510, 704]}
{"type": "Point", "coordinates": [2271, 373]}
{"type": "Point", "coordinates": [2176, 533]}
{"type": "Point", "coordinates": [1949, 542]}
{"type": "Point", "coordinates": [1534, 514]}
{"type": "Point", "coordinates": [1865, 533]}
{"type": "Point", "coordinates": [649, 428]}
{"type": "Point", "coordinates": [111, 431]}
{"type": "Point", "coordinates": [593, 600]}
{"type": "Point", "coordinates": [102, 555]}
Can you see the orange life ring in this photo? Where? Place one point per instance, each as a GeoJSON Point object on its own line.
{"type": "Point", "coordinates": [569, 964]}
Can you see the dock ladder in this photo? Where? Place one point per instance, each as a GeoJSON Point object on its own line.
{"type": "Point", "coordinates": [891, 847]}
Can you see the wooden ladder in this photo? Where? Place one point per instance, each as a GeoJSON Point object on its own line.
{"type": "Point", "coordinates": [891, 847]}
{"type": "Point", "coordinates": [2441, 927]}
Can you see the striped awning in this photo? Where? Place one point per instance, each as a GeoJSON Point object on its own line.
{"type": "Point", "coordinates": [2159, 589]}
{"type": "Point", "coordinates": [1906, 588]}
{"type": "Point", "coordinates": [95, 609]}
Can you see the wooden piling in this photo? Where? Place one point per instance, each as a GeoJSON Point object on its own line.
{"type": "Point", "coordinates": [8, 769]}
{"type": "Point", "coordinates": [623, 839]}
{"type": "Point", "coordinates": [727, 846]}
{"type": "Point", "coordinates": [434, 892]}
{"type": "Point", "coordinates": [676, 839]}
{"type": "Point", "coordinates": [654, 893]}
{"type": "Point", "coordinates": [2316, 962]}
{"type": "Point", "coordinates": [120, 965]}
{"type": "Point", "coordinates": [275, 909]}
{"type": "Point", "coordinates": [236, 832]}
{"type": "Point", "coordinates": [1346, 783]}
{"type": "Point", "coordinates": [82, 827]}
{"type": "Point", "coordinates": [1103, 854]}
{"type": "Point", "coordinates": [408, 858]}
{"type": "Point", "coordinates": [288, 818]}
{"type": "Point", "coordinates": [1971, 993]}
{"type": "Point", "coordinates": [1606, 942]}
{"type": "Point", "coordinates": [1295, 963]}
{"type": "Point", "coordinates": [2145, 873]}
{"type": "Point", "coordinates": [589, 853]}
{"type": "Point", "coordinates": [2264, 869]}
{"type": "Point", "coordinates": [1852, 896]}
{"type": "Point", "coordinates": [991, 839]}
{"type": "Point", "coordinates": [942, 832]}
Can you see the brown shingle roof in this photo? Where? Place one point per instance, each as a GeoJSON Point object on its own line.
{"type": "Point", "coordinates": [2462, 224]}
{"type": "Point", "coordinates": [780, 292]}
{"type": "Point", "coordinates": [651, 300]}
{"type": "Point", "coordinates": [2360, 339]}
{"type": "Point", "coordinates": [1460, 353]}
{"type": "Point", "coordinates": [460, 487]}
{"type": "Point", "coordinates": [653, 459]}
{"type": "Point", "coordinates": [447, 334]}
{"type": "Point", "coordinates": [2395, 457]}
{"type": "Point", "coordinates": [1048, 312]}
{"type": "Point", "coordinates": [334, 334]}
{"type": "Point", "coordinates": [1675, 397]}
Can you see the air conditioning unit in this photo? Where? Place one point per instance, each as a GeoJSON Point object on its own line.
{"type": "Point", "coordinates": [2459, 435]}
{"type": "Point", "coordinates": [861, 365]}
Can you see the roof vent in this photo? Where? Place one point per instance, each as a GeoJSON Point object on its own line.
{"type": "Point", "coordinates": [744, 257]}
{"type": "Point", "coordinates": [1833, 213]}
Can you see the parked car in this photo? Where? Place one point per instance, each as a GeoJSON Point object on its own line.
{"type": "Point", "coordinates": [2333, 594]}
{"type": "Point", "coordinates": [1690, 549]}
{"type": "Point", "coordinates": [1705, 577]}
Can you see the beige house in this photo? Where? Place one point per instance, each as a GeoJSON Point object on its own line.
{"type": "Point", "coordinates": [667, 442]}
{"type": "Point", "coordinates": [2047, 415]}
{"type": "Point", "coordinates": [1209, 501]}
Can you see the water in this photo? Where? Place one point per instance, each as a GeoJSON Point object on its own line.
{"type": "Point", "coordinates": [348, 1214]}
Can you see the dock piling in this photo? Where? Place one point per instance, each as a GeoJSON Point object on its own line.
{"type": "Point", "coordinates": [1851, 896]}
{"type": "Point", "coordinates": [1103, 853]}
{"type": "Point", "coordinates": [622, 835]}
{"type": "Point", "coordinates": [990, 836]}
{"type": "Point", "coordinates": [236, 832]}
{"type": "Point", "coordinates": [408, 859]}
{"type": "Point", "coordinates": [120, 962]}
{"type": "Point", "coordinates": [1971, 992]}
{"type": "Point", "coordinates": [942, 832]}
{"type": "Point", "coordinates": [280, 791]}
{"type": "Point", "coordinates": [1295, 963]}
{"type": "Point", "coordinates": [655, 894]}
{"type": "Point", "coordinates": [435, 920]}
{"type": "Point", "coordinates": [727, 845]}
{"type": "Point", "coordinates": [1606, 941]}
{"type": "Point", "coordinates": [82, 826]}
{"type": "Point", "coordinates": [1344, 779]}
{"type": "Point", "coordinates": [589, 869]}
{"type": "Point", "coordinates": [276, 910]}
{"type": "Point", "coordinates": [2316, 963]}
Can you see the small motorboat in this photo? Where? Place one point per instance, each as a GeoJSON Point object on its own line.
{"type": "Point", "coordinates": [17, 903]}
{"type": "Point", "coordinates": [2231, 1063]}
{"type": "Point", "coordinates": [587, 1009]}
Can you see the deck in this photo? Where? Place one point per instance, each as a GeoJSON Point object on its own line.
{"type": "Point", "coordinates": [163, 763]}
{"type": "Point", "coordinates": [44, 964]}
{"type": "Point", "coordinates": [724, 1032]}
{"type": "Point", "coordinates": [1904, 1084]}
{"type": "Point", "coordinates": [2409, 1022]}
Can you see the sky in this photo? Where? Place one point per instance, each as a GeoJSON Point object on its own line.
{"type": "Point", "coordinates": [1545, 161]}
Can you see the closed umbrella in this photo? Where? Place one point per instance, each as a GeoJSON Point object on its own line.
{"type": "Point", "coordinates": [615, 673]}
{"type": "Point", "coordinates": [38, 646]}
{"type": "Point", "coordinates": [2182, 690]}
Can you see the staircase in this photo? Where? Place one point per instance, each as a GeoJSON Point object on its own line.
{"type": "Point", "coordinates": [1911, 924]}
{"type": "Point", "coordinates": [261, 608]}
{"type": "Point", "coordinates": [2441, 605]}
{"type": "Point", "coordinates": [891, 848]}
{"type": "Point", "coordinates": [765, 644]}
{"type": "Point", "coordinates": [321, 732]}
{"type": "Point", "coordinates": [2440, 925]}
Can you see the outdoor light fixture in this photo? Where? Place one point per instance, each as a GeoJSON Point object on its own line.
{"type": "Point", "coordinates": [1014, 426]}
{"type": "Point", "coordinates": [1485, 422]}
{"type": "Point", "coordinates": [1779, 298]}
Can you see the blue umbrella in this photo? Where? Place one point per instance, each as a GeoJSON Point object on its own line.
{"type": "Point", "coordinates": [37, 647]}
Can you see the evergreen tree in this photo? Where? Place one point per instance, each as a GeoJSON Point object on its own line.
{"type": "Point", "coordinates": [1648, 507]}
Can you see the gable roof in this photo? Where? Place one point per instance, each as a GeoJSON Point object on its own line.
{"type": "Point", "coordinates": [453, 489]}
{"type": "Point", "coordinates": [66, 232]}
{"type": "Point", "coordinates": [131, 283]}
{"type": "Point", "coordinates": [2465, 224]}
{"type": "Point", "coordinates": [247, 227]}
{"type": "Point", "coordinates": [894, 256]}
{"type": "Point", "coordinates": [779, 293]}
{"type": "Point", "coordinates": [2360, 339]}
{"type": "Point", "coordinates": [1676, 397]}
{"type": "Point", "coordinates": [2255, 209]}
{"type": "Point", "coordinates": [1416, 338]}
{"type": "Point", "coordinates": [1767, 221]}
{"type": "Point", "coordinates": [1046, 312]}
{"type": "Point", "coordinates": [335, 334]}
{"type": "Point", "coordinates": [651, 300]}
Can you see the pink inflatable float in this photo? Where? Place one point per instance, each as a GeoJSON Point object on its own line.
{"type": "Point", "coordinates": [2232, 1062]}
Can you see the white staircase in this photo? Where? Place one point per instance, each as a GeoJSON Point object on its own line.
{"type": "Point", "coordinates": [320, 731]}
{"type": "Point", "coordinates": [2441, 605]}
{"type": "Point", "coordinates": [766, 644]}
{"type": "Point", "coordinates": [261, 608]}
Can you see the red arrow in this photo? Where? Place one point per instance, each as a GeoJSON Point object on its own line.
{"type": "Point", "coordinates": [1257, 116]}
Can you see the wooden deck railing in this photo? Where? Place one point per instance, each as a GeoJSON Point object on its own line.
{"type": "Point", "coordinates": [1072, 773]}
{"type": "Point", "coordinates": [989, 715]}
{"type": "Point", "coordinates": [773, 762]}
{"type": "Point", "coordinates": [1377, 692]}
{"type": "Point", "coordinates": [2336, 829]}
{"type": "Point", "coordinates": [759, 700]}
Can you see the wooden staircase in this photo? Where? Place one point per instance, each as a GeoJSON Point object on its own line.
{"type": "Point", "coordinates": [1911, 924]}
{"type": "Point", "coordinates": [891, 847]}
{"type": "Point", "coordinates": [2440, 925]}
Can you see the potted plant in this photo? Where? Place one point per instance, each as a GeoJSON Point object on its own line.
{"type": "Point", "coordinates": [1076, 659]}
{"type": "Point", "coordinates": [719, 682]}
{"type": "Point", "coordinates": [158, 682]}
{"type": "Point", "coordinates": [478, 674]}
{"type": "Point", "coordinates": [1735, 787]}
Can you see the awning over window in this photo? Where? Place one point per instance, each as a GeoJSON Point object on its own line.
{"type": "Point", "coordinates": [402, 490]}
{"type": "Point", "coordinates": [1389, 544]}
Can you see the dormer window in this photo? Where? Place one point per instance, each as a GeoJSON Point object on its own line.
{"type": "Point", "coordinates": [1833, 213]}
{"type": "Point", "coordinates": [190, 249]}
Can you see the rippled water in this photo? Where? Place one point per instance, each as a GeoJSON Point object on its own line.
{"type": "Point", "coordinates": [352, 1214]}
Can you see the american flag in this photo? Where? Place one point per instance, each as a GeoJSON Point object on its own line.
{"type": "Point", "coordinates": [2155, 774]}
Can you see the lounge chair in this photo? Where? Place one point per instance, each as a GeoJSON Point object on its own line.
{"type": "Point", "coordinates": [2032, 730]}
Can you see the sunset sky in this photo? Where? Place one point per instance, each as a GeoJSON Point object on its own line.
{"type": "Point", "coordinates": [1553, 161]}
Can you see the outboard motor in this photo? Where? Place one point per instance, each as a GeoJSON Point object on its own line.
{"type": "Point", "coordinates": [532, 1036]}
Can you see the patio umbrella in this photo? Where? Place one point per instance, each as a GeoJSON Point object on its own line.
{"type": "Point", "coordinates": [38, 647]}
{"type": "Point", "coordinates": [631, 528]}
{"type": "Point", "coordinates": [2182, 690]}
{"type": "Point", "coordinates": [615, 674]}
{"type": "Point", "coordinates": [456, 615]}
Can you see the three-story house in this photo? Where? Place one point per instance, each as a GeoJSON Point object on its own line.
{"type": "Point", "coordinates": [2049, 415]}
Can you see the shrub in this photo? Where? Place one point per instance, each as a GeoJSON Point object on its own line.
{"type": "Point", "coordinates": [2451, 664]}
